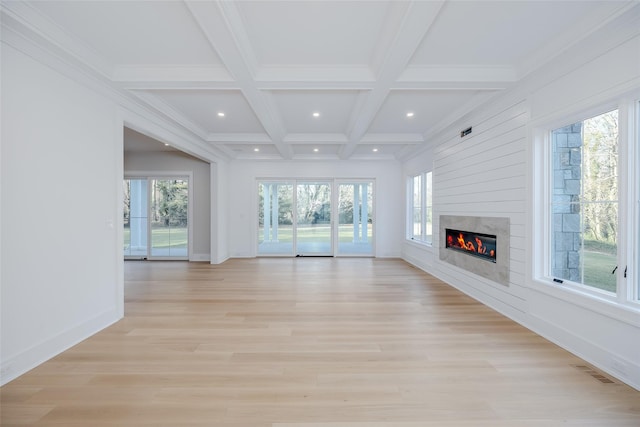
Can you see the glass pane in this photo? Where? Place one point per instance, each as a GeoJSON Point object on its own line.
{"type": "Point", "coordinates": [585, 202]}
{"type": "Point", "coordinates": [429, 210]}
{"type": "Point", "coordinates": [417, 207]}
{"type": "Point", "coordinates": [313, 232]}
{"type": "Point", "coordinates": [600, 248]}
{"type": "Point", "coordinates": [275, 218]}
{"type": "Point", "coordinates": [169, 216]}
{"type": "Point", "coordinates": [355, 224]}
{"type": "Point", "coordinates": [135, 217]}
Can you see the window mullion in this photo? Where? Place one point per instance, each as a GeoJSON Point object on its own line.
{"type": "Point", "coordinates": [423, 207]}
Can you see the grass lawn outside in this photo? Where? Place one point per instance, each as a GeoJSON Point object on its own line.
{"type": "Point", "coordinates": [163, 237]}
{"type": "Point", "coordinates": [597, 270]}
{"type": "Point", "coordinates": [311, 233]}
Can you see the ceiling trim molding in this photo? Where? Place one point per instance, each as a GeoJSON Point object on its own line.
{"type": "Point", "coordinates": [239, 138]}
{"type": "Point", "coordinates": [39, 25]}
{"type": "Point", "coordinates": [31, 42]}
{"type": "Point", "coordinates": [392, 138]}
{"type": "Point", "coordinates": [315, 73]}
{"type": "Point", "coordinates": [171, 73]}
{"type": "Point", "coordinates": [455, 74]}
{"type": "Point", "coordinates": [171, 113]}
{"type": "Point", "coordinates": [597, 20]}
{"type": "Point", "coordinates": [215, 21]}
{"type": "Point", "coordinates": [312, 138]}
{"type": "Point", "coordinates": [409, 36]}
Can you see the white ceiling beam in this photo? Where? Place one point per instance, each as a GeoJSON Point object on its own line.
{"type": "Point", "coordinates": [458, 74]}
{"type": "Point", "coordinates": [314, 138]}
{"type": "Point", "coordinates": [318, 73]}
{"type": "Point", "coordinates": [417, 20]}
{"type": "Point", "coordinates": [224, 29]}
{"type": "Point", "coordinates": [392, 138]}
{"type": "Point", "coordinates": [239, 138]}
{"type": "Point", "coordinates": [171, 73]}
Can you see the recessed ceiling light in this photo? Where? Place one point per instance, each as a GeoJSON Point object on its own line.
{"type": "Point", "coordinates": [256, 149]}
{"type": "Point", "coordinates": [316, 114]}
{"type": "Point", "coordinates": [221, 114]}
{"type": "Point", "coordinates": [375, 150]}
{"type": "Point", "coordinates": [410, 114]}
{"type": "Point", "coordinates": [315, 150]}
{"type": "Point", "coordinates": [166, 145]}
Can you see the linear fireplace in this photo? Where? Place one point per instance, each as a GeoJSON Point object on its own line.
{"type": "Point", "coordinates": [477, 244]}
{"type": "Point", "coordinates": [480, 245]}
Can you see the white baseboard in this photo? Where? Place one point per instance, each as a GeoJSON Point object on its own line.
{"type": "Point", "coordinates": [627, 371]}
{"type": "Point", "coordinates": [23, 362]}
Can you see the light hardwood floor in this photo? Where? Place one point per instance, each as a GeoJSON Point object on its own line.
{"type": "Point", "coordinates": [311, 342]}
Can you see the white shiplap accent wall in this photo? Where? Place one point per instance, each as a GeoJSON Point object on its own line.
{"type": "Point", "coordinates": [484, 174]}
{"type": "Point", "coordinates": [495, 172]}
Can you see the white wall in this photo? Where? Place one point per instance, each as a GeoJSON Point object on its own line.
{"type": "Point", "coordinates": [61, 273]}
{"type": "Point", "coordinates": [242, 188]}
{"type": "Point", "coordinates": [175, 161]}
{"type": "Point", "coordinates": [220, 197]}
{"type": "Point", "coordinates": [491, 173]}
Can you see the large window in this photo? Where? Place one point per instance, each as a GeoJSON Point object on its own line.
{"type": "Point", "coordinates": [584, 203]}
{"type": "Point", "coordinates": [420, 208]}
{"type": "Point", "coordinates": [589, 206]}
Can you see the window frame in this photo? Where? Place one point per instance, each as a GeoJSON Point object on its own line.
{"type": "Point", "coordinates": [627, 295]}
{"type": "Point", "coordinates": [426, 206]}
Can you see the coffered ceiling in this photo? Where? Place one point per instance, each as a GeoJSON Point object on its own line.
{"type": "Point", "coordinates": [246, 77]}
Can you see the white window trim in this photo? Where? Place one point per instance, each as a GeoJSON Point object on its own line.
{"type": "Point", "coordinates": [624, 305]}
{"type": "Point", "coordinates": [422, 241]}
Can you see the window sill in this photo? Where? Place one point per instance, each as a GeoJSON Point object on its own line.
{"type": "Point", "coordinates": [604, 304]}
{"type": "Point", "coordinates": [419, 243]}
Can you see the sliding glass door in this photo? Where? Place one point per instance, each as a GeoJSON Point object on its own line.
{"type": "Point", "coordinates": [136, 218]}
{"type": "Point", "coordinates": [355, 218]}
{"type": "Point", "coordinates": [275, 218]}
{"type": "Point", "coordinates": [156, 218]}
{"type": "Point", "coordinates": [296, 218]}
{"type": "Point", "coordinates": [313, 225]}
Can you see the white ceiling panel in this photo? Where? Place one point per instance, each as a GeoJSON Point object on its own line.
{"type": "Point", "coordinates": [134, 32]}
{"type": "Point", "coordinates": [254, 151]}
{"type": "Point", "coordinates": [316, 151]}
{"type": "Point", "coordinates": [203, 108]}
{"type": "Point", "coordinates": [314, 32]}
{"type": "Point", "coordinates": [377, 151]}
{"type": "Point", "coordinates": [498, 33]}
{"type": "Point", "coordinates": [334, 110]}
{"type": "Point", "coordinates": [428, 107]}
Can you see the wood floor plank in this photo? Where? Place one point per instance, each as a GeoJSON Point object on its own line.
{"type": "Point", "coordinates": [311, 342]}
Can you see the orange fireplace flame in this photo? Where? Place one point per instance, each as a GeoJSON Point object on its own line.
{"type": "Point", "coordinates": [478, 247]}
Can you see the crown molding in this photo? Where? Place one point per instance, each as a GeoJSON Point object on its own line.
{"type": "Point", "coordinates": [597, 20]}
{"type": "Point", "coordinates": [22, 17]}
{"type": "Point", "coordinates": [24, 38]}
